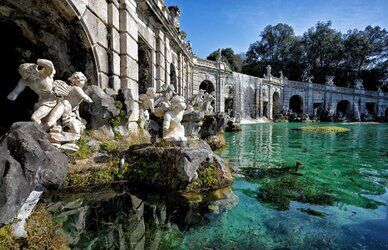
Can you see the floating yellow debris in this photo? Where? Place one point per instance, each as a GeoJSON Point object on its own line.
{"type": "Point", "coordinates": [323, 129]}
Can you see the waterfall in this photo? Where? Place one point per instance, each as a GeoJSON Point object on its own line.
{"type": "Point", "coordinates": [244, 95]}
{"type": "Point", "coordinates": [357, 115]}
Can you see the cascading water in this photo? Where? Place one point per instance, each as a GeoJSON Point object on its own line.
{"type": "Point", "coordinates": [244, 96]}
{"type": "Point", "coordinates": [357, 115]}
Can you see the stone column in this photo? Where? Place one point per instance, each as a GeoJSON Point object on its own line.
{"type": "Point", "coordinates": [129, 69]}
{"type": "Point", "coordinates": [160, 60]}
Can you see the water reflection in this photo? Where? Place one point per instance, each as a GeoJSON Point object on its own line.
{"type": "Point", "coordinates": [115, 218]}
{"type": "Point", "coordinates": [338, 168]}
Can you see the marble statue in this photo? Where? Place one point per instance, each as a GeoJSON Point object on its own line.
{"type": "Point", "coordinates": [146, 102]}
{"type": "Point", "coordinates": [162, 103]}
{"type": "Point", "coordinates": [310, 79]}
{"type": "Point", "coordinates": [330, 81]}
{"type": "Point", "coordinates": [358, 84]}
{"type": "Point", "coordinates": [57, 109]}
{"type": "Point", "coordinates": [198, 99]}
{"type": "Point", "coordinates": [41, 82]}
{"type": "Point", "coordinates": [269, 70]}
{"type": "Point", "coordinates": [208, 99]}
{"type": "Point", "coordinates": [173, 130]}
{"type": "Point", "coordinates": [67, 108]}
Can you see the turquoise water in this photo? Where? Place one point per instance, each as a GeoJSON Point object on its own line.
{"type": "Point", "coordinates": [336, 199]}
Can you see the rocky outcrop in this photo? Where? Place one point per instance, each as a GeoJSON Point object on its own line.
{"type": "Point", "coordinates": [27, 159]}
{"type": "Point", "coordinates": [213, 125]}
{"type": "Point", "coordinates": [102, 110]}
{"type": "Point", "coordinates": [192, 123]}
{"type": "Point", "coordinates": [184, 167]}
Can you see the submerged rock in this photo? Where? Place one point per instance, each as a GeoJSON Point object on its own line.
{"type": "Point", "coordinates": [184, 167]}
{"type": "Point", "coordinates": [27, 159]}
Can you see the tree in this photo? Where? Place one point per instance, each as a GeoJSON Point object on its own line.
{"type": "Point", "coordinates": [323, 48]}
{"type": "Point", "coordinates": [278, 47]}
{"type": "Point", "coordinates": [234, 61]}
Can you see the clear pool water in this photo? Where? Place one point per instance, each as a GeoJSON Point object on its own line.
{"type": "Point", "coordinates": [335, 198]}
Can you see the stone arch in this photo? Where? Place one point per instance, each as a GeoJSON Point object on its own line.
{"type": "Point", "coordinates": [208, 86]}
{"type": "Point", "coordinates": [344, 108]}
{"type": "Point", "coordinates": [40, 29]}
{"type": "Point", "coordinates": [296, 104]}
{"type": "Point", "coordinates": [276, 104]}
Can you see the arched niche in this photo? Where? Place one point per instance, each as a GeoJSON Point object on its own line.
{"type": "Point", "coordinates": [39, 29]}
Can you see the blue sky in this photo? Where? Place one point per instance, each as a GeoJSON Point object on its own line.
{"type": "Point", "coordinates": [213, 24]}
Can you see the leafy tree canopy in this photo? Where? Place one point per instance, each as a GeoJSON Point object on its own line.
{"type": "Point", "coordinates": [321, 51]}
{"type": "Point", "coordinates": [234, 61]}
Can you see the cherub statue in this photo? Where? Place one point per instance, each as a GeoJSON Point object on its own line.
{"type": "Point", "coordinates": [68, 107]}
{"type": "Point", "coordinates": [146, 102]}
{"type": "Point", "coordinates": [173, 130]}
{"type": "Point", "coordinates": [197, 100]}
{"type": "Point", "coordinates": [41, 82]}
{"type": "Point", "coordinates": [207, 103]}
{"type": "Point", "coordinates": [162, 103]}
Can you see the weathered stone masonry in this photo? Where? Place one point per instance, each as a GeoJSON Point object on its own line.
{"type": "Point", "coordinates": [136, 44]}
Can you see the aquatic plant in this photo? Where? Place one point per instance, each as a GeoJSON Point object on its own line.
{"type": "Point", "coordinates": [323, 129]}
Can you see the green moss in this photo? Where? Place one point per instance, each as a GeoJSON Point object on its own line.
{"type": "Point", "coordinates": [42, 233]}
{"type": "Point", "coordinates": [84, 151]}
{"type": "Point", "coordinates": [6, 239]}
{"type": "Point", "coordinates": [323, 129]}
{"type": "Point", "coordinates": [208, 178]}
{"type": "Point", "coordinates": [109, 146]}
{"type": "Point", "coordinates": [116, 121]}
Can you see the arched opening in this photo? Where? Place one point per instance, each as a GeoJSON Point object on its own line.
{"type": "Point", "coordinates": [39, 29]}
{"type": "Point", "coordinates": [275, 104]}
{"type": "Point", "coordinates": [296, 104]}
{"type": "Point", "coordinates": [371, 108]}
{"type": "Point", "coordinates": [208, 86]}
{"type": "Point", "coordinates": [173, 79]}
{"type": "Point", "coordinates": [145, 67]}
{"type": "Point", "coordinates": [344, 109]}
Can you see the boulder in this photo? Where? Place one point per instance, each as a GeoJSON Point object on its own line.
{"type": "Point", "coordinates": [178, 166]}
{"type": "Point", "coordinates": [102, 110]}
{"type": "Point", "coordinates": [213, 125]}
{"type": "Point", "coordinates": [193, 122]}
{"type": "Point", "coordinates": [27, 160]}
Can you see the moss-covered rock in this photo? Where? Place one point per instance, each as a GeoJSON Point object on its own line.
{"type": "Point", "coordinates": [216, 141]}
{"type": "Point", "coordinates": [190, 167]}
{"type": "Point", "coordinates": [42, 233]}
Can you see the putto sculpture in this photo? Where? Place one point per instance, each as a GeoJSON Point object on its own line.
{"type": "Point", "coordinates": [173, 130]}
{"type": "Point", "coordinates": [41, 82]}
{"type": "Point", "coordinates": [58, 105]}
{"type": "Point", "coordinates": [330, 81]}
{"type": "Point", "coordinates": [146, 102]}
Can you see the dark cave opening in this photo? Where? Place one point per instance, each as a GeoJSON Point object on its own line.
{"type": "Point", "coordinates": [34, 30]}
{"type": "Point", "coordinates": [16, 50]}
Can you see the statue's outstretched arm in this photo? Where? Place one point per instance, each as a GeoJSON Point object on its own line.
{"type": "Point", "coordinates": [17, 90]}
{"type": "Point", "coordinates": [83, 95]}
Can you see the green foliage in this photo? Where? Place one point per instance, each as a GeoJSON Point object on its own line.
{"type": "Point", "coordinates": [321, 51]}
{"type": "Point", "coordinates": [116, 121]}
{"type": "Point", "coordinates": [84, 151]}
{"type": "Point", "coordinates": [42, 233]}
{"type": "Point", "coordinates": [6, 239]}
{"type": "Point", "coordinates": [234, 61]}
